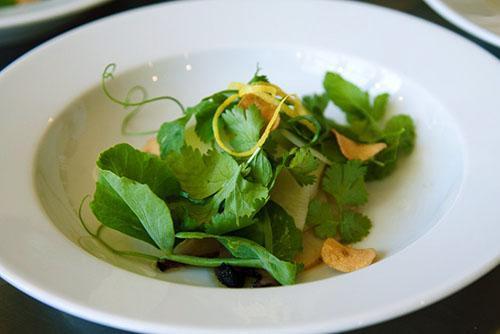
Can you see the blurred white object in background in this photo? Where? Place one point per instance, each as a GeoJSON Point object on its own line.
{"type": "Point", "coordinates": [30, 20]}
{"type": "Point", "coordinates": [480, 18]}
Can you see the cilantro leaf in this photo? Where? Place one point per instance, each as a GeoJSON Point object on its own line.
{"type": "Point", "coordinates": [140, 205]}
{"type": "Point", "coordinates": [201, 175]}
{"type": "Point", "coordinates": [243, 126]}
{"type": "Point", "coordinates": [345, 182]}
{"type": "Point", "coordinates": [284, 272]}
{"type": "Point", "coordinates": [320, 216]}
{"type": "Point", "coordinates": [189, 216]}
{"type": "Point", "coordinates": [354, 226]}
{"type": "Point", "coordinates": [170, 137]}
{"type": "Point", "coordinates": [261, 170]}
{"type": "Point", "coordinates": [204, 113]}
{"type": "Point", "coordinates": [241, 200]}
{"type": "Point", "coordinates": [145, 168]}
{"type": "Point", "coordinates": [302, 165]}
{"type": "Point", "coordinates": [287, 238]}
{"type": "Point", "coordinates": [316, 103]}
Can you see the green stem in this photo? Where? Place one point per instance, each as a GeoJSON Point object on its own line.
{"type": "Point", "coordinates": [97, 237]}
{"type": "Point", "coordinates": [211, 262]}
{"type": "Point", "coordinates": [299, 143]}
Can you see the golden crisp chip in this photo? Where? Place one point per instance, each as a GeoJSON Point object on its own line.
{"type": "Point", "coordinates": [357, 151]}
{"type": "Point", "coordinates": [152, 147]}
{"type": "Point", "coordinates": [345, 258]}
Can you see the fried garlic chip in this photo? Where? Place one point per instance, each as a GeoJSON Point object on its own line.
{"type": "Point", "coordinates": [356, 151]}
{"type": "Point", "coordinates": [152, 147]}
{"type": "Point", "coordinates": [344, 258]}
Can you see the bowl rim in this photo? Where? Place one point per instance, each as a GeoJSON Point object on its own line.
{"type": "Point", "coordinates": [27, 14]}
{"type": "Point", "coordinates": [439, 284]}
{"type": "Point", "coordinates": [462, 22]}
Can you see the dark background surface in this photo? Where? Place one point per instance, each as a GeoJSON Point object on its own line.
{"type": "Point", "coordinates": [475, 309]}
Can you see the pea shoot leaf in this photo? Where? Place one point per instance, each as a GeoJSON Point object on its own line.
{"type": "Point", "coordinates": [380, 106]}
{"type": "Point", "coordinates": [149, 209]}
{"type": "Point", "coordinates": [284, 272]}
{"type": "Point", "coordinates": [316, 103]}
{"type": "Point", "coordinates": [145, 168]}
{"type": "Point", "coordinates": [129, 195]}
{"type": "Point", "coordinates": [399, 134]}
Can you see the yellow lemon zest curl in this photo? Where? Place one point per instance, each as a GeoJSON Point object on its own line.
{"type": "Point", "coordinates": [271, 94]}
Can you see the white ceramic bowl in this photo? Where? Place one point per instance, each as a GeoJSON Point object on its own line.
{"type": "Point", "coordinates": [31, 20]}
{"type": "Point", "coordinates": [434, 225]}
{"type": "Point", "coordinates": [480, 18]}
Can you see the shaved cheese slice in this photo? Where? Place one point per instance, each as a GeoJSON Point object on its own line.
{"type": "Point", "coordinates": [294, 198]}
{"type": "Point", "coordinates": [311, 251]}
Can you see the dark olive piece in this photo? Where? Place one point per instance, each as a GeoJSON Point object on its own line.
{"type": "Point", "coordinates": [230, 276]}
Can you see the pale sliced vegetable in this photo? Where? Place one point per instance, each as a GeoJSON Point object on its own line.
{"type": "Point", "coordinates": [294, 198]}
{"type": "Point", "coordinates": [152, 147]}
{"type": "Point", "coordinates": [311, 253]}
{"type": "Point", "coordinates": [344, 258]}
{"type": "Point", "coordinates": [194, 141]}
{"type": "Point", "coordinates": [198, 247]}
{"type": "Point", "coordinates": [357, 151]}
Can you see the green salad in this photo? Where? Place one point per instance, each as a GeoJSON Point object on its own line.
{"type": "Point", "coordinates": [252, 181]}
{"type": "Point", "coordinates": [4, 3]}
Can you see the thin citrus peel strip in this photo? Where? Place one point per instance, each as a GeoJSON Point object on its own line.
{"type": "Point", "coordinates": [269, 94]}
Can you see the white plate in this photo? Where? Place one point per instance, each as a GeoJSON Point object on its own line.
{"type": "Point", "coordinates": [30, 20]}
{"type": "Point", "coordinates": [434, 221]}
{"type": "Point", "coordinates": [480, 18]}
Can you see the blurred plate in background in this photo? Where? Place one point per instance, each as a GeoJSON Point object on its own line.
{"type": "Point", "coordinates": [24, 21]}
{"type": "Point", "coordinates": [480, 18]}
